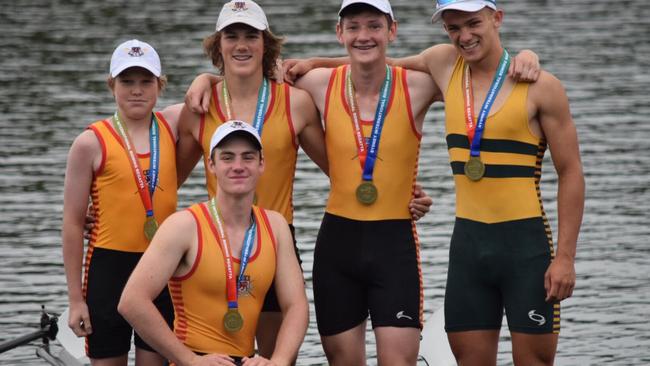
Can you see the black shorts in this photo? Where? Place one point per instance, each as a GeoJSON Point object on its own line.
{"type": "Point", "coordinates": [497, 266]}
{"type": "Point", "coordinates": [366, 267]}
{"type": "Point", "coordinates": [108, 272]}
{"type": "Point", "coordinates": [271, 300]}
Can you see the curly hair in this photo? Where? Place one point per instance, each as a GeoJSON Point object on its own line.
{"type": "Point", "coordinates": [272, 48]}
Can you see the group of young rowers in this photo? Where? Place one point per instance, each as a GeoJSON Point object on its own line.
{"type": "Point", "coordinates": [202, 285]}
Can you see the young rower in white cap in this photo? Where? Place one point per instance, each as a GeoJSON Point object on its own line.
{"type": "Point", "coordinates": [126, 164]}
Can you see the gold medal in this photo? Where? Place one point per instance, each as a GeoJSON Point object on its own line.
{"type": "Point", "coordinates": [474, 168]}
{"type": "Point", "coordinates": [367, 193]}
{"type": "Point", "coordinates": [150, 227]}
{"type": "Point", "coordinates": [233, 320]}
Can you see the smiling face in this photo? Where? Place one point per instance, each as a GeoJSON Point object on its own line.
{"type": "Point", "coordinates": [242, 49]}
{"type": "Point", "coordinates": [136, 92]}
{"type": "Point", "coordinates": [366, 35]}
{"type": "Point", "coordinates": [237, 164]}
{"type": "Point", "coordinates": [474, 34]}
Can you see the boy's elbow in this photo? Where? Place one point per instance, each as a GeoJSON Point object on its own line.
{"type": "Point", "coordinates": [126, 305]}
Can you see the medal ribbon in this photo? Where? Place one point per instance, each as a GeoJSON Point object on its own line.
{"type": "Point", "coordinates": [232, 284]}
{"type": "Point", "coordinates": [368, 154]}
{"type": "Point", "coordinates": [262, 104]}
{"type": "Point", "coordinates": [146, 191]}
{"type": "Point", "coordinates": [475, 132]}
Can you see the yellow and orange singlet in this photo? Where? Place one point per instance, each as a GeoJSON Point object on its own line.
{"type": "Point", "coordinates": [119, 212]}
{"type": "Point", "coordinates": [275, 186]}
{"type": "Point", "coordinates": [200, 299]}
{"type": "Point", "coordinates": [397, 161]}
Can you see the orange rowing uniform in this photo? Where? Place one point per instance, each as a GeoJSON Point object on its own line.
{"type": "Point", "coordinates": [199, 297]}
{"type": "Point", "coordinates": [119, 212]}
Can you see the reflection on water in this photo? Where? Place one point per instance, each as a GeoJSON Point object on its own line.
{"type": "Point", "coordinates": [52, 71]}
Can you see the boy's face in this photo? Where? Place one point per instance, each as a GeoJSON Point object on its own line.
{"type": "Point", "coordinates": [237, 164]}
{"type": "Point", "coordinates": [242, 48]}
{"type": "Point", "coordinates": [366, 35]}
{"type": "Point", "coordinates": [472, 33]}
{"type": "Point", "coordinates": [136, 92]}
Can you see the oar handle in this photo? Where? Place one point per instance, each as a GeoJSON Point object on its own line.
{"type": "Point", "coordinates": [47, 332]}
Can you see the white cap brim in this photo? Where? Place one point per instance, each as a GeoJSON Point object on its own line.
{"type": "Point", "coordinates": [144, 65]}
{"type": "Point", "coordinates": [469, 6]}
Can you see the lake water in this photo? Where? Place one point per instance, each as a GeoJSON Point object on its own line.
{"type": "Point", "coordinates": [53, 65]}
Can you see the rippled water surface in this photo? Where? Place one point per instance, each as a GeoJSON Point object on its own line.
{"type": "Point", "coordinates": [53, 65]}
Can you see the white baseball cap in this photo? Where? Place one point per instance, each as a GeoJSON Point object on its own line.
{"type": "Point", "coordinates": [462, 5]}
{"type": "Point", "coordinates": [135, 53]}
{"type": "Point", "coordinates": [242, 11]}
{"type": "Point", "coordinates": [234, 126]}
{"type": "Point", "coordinates": [381, 5]}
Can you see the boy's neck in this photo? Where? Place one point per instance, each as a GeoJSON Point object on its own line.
{"type": "Point", "coordinates": [368, 79]}
{"type": "Point", "coordinates": [135, 125]}
{"type": "Point", "coordinates": [243, 86]}
{"type": "Point", "coordinates": [235, 210]}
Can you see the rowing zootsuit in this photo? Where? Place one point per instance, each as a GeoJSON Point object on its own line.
{"type": "Point", "coordinates": [367, 256]}
{"type": "Point", "coordinates": [502, 243]}
{"type": "Point", "coordinates": [117, 238]}
{"type": "Point", "coordinates": [199, 297]}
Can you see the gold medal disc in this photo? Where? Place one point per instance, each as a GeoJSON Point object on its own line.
{"type": "Point", "coordinates": [474, 168]}
{"type": "Point", "coordinates": [233, 321]}
{"type": "Point", "coordinates": [367, 193]}
{"type": "Point", "coordinates": [150, 227]}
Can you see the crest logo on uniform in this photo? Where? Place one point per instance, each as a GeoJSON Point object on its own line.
{"type": "Point", "coordinates": [245, 286]}
{"type": "Point", "coordinates": [136, 52]}
{"type": "Point", "coordinates": [239, 6]}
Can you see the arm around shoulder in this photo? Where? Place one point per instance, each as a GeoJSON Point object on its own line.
{"type": "Point", "coordinates": [294, 69]}
{"type": "Point", "coordinates": [316, 82]}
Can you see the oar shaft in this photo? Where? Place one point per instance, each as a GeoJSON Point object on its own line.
{"type": "Point", "coordinates": [24, 339]}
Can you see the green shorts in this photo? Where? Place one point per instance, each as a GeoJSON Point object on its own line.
{"type": "Point", "coordinates": [497, 266]}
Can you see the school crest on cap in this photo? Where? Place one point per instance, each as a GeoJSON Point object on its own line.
{"type": "Point", "coordinates": [237, 124]}
{"type": "Point", "coordinates": [239, 6]}
{"type": "Point", "coordinates": [136, 52]}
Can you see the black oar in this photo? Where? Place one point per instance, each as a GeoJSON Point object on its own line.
{"type": "Point", "coordinates": [47, 332]}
